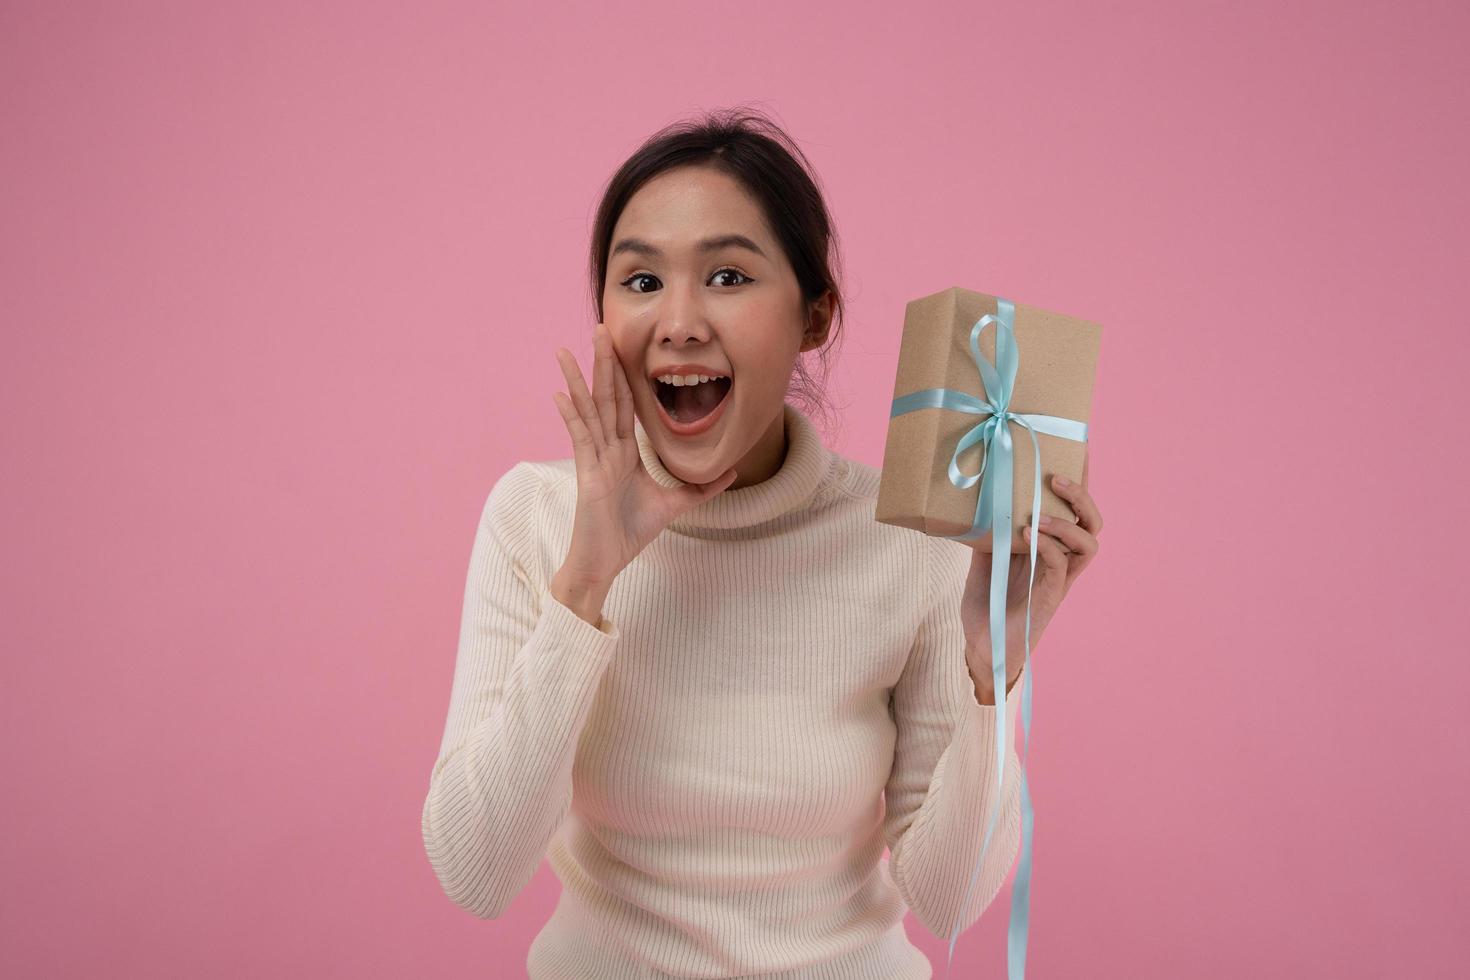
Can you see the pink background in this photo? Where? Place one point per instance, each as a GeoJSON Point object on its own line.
{"type": "Point", "coordinates": [281, 290]}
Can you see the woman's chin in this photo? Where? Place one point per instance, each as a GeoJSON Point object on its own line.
{"type": "Point", "coordinates": [687, 475]}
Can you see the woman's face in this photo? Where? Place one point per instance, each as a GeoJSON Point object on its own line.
{"type": "Point", "coordinates": [734, 309]}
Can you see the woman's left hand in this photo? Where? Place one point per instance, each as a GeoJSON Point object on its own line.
{"type": "Point", "coordinates": [1063, 550]}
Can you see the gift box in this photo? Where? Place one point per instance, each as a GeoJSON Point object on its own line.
{"type": "Point", "coordinates": [945, 428]}
{"type": "Point", "coordinates": [991, 400]}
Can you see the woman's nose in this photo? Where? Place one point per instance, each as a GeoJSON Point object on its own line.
{"type": "Point", "coordinates": [681, 317]}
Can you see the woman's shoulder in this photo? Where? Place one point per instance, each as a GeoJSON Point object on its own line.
{"type": "Point", "coordinates": [859, 481]}
{"type": "Point", "coordinates": [856, 478]}
{"type": "Point", "coordinates": [856, 485]}
{"type": "Point", "coordinates": [550, 473]}
{"type": "Point", "coordinates": [530, 483]}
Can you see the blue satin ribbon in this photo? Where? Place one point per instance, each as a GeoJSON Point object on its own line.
{"type": "Point", "coordinates": [993, 511]}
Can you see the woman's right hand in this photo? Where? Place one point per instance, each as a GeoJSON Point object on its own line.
{"type": "Point", "coordinates": [620, 507]}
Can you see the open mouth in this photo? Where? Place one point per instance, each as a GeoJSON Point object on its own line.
{"type": "Point", "coordinates": [690, 403]}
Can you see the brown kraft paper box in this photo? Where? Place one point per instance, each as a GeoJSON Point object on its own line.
{"type": "Point", "coordinates": [1054, 376]}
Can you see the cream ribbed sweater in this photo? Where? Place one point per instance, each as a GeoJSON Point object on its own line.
{"type": "Point", "coordinates": [707, 771]}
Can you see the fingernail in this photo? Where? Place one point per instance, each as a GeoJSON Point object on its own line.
{"type": "Point", "coordinates": [1062, 481]}
{"type": "Point", "coordinates": [1045, 520]}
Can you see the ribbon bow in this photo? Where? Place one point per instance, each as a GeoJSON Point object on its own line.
{"type": "Point", "coordinates": [993, 511]}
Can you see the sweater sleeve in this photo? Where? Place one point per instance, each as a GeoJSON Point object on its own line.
{"type": "Point", "coordinates": [526, 673]}
{"type": "Point", "coordinates": [942, 786]}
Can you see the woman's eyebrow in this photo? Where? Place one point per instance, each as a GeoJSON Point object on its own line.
{"type": "Point", "coordinates": [640, 247]}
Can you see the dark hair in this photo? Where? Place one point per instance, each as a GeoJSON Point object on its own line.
{"type": "Point", "coordinates": [771, 167]}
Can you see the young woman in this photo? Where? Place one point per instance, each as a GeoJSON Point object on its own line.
{"type": "Point", "coordinates": [693, 671]}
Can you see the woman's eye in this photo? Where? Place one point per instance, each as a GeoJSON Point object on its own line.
{"type": "Point", "coordinates": [626, 283]}
{"type": "Point", "coordinates": [733, 272]}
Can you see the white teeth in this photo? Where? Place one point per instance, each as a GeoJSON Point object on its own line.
{"type": "Point", "coordinates": [680, 380]}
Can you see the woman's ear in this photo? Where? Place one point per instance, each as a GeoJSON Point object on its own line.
{"type": "Point", "coordinates": [819, 322]}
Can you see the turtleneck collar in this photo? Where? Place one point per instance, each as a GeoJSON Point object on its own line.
{"type": "Point", "coordinates": [807, 467]}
